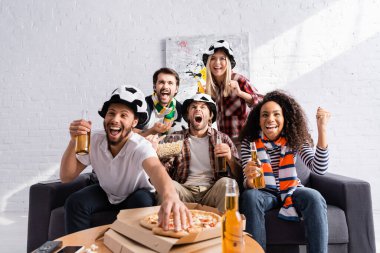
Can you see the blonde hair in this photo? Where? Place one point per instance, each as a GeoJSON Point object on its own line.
{"type": "Point", "coordinates": [211, 86]}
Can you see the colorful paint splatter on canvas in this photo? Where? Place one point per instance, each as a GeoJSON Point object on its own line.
{"type": "Point", "coordinates": [184, 54]}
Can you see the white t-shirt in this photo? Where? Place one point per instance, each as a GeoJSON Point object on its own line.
{"type": "Point", "coordinates": [121, 175]}
{"type": "Point", "coordinates": [200, 172]}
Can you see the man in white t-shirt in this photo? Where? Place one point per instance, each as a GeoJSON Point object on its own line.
{"type": "Point", "coordinates": [165, 113]}
{"type": "Point", "coordinates": [125, 163]}
{"type": "Point", "coordinates": [194, 172]}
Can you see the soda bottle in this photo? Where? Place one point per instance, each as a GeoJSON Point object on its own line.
{"type": "Point", "coordinates": [82, 144]}
{"type": "Point", "coordinates": [220, 162]}
{"type": "Point", "coordinates": [232, 223]}
{"type": "Point", "coordinates": [259, 181]}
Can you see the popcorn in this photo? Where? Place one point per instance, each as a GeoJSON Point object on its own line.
{"type": "Point", "coordinates": [93, 249]}
{"type": "Point", "coordinates": [169, 149]}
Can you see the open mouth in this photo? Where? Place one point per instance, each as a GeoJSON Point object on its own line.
{"type": "Point", "coordinates": [165, 93]}
{"type": "Point", "coordinates": [271, 128]}
{"type": "Point", "coordinates": [198, 118]}
{"type": "Point", "coordinates": [114, 130]}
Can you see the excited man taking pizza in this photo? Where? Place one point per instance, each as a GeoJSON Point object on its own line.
{"type": "Point", "coordinates": [125, 163]}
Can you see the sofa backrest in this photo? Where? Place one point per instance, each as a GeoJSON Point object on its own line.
{"type": "Point", "coordinates": [303, 171]}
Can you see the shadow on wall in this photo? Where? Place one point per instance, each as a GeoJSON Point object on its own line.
{"type": "Point", "coordinates": [349, 92]}
{"type": "Point", "coordinates": [339, 28]}
{"type": "Point", "coordinates": [48, 174]}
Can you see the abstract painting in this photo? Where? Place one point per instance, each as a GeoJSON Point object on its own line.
{"type": "Point", "coordinates": [184, 54]}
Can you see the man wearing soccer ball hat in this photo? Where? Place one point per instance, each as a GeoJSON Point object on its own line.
{"type": "Point", "coordinates": [194, 172]}
{"type": "Point", "coordinates": [124, 162]}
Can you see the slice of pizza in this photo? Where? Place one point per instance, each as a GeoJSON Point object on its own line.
{"type": "Point", "coordinates": [202, 220]}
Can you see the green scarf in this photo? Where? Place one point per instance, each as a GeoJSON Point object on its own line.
{"type": "Point", "coordinates": [169, 111]}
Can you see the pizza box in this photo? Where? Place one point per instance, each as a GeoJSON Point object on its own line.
{"type": "Point", "coordinates": [127, 224]}
{"type": "Point", "coordinates": [120, 244]}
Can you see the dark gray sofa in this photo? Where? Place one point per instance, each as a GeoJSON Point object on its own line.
{"type": "Point", "coordinates": [349, 202]}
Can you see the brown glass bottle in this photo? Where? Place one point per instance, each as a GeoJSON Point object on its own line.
{"type": "Point", "coordinates": [220, 162]}
{"type": "Point", "coordinates": [259, 181]}
{"type": "Point", "coordinates": [82, 142]}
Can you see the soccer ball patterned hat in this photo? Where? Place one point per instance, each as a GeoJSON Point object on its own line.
{"type": "Point", "coordinates": [201, 97]}
{"type": "Point", "coordinates": [223, 45]}
{"type": "Point", "coordinates": [131, 97]}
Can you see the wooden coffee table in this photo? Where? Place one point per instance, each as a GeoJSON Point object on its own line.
{"type": "Point", "coordinates": [95, 236]}
{"type": "Point", "coordinates": [86, 238]}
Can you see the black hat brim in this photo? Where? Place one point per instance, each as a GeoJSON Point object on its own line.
{"type": "Point", "coordinates": [186, 104]}
{"type": "Point", "coordinates": [116, 100]}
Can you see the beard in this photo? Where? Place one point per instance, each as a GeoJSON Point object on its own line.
{"type": "Point", "coordinates": [124, 133]}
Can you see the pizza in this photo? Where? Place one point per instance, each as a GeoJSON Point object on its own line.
{"type": "Point", "coordinates": [202, 220]}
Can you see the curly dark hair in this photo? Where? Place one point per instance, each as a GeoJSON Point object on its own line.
{"type": "Point", "coordinates": [295, 129]}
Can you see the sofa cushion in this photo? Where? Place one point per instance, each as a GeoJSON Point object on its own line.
{"type": "Point", "coordinates": [57, 223]}
{"type": "Point", "coordinates": [286, 232]}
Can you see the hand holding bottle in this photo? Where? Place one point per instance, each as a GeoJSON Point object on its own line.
{"type": "Point", "coordinates": [79, 127]}
{"type": "Point", "coordinates": [80, 130]}
{"type": "Point", "coordinates": [220, 155]}
{"type": "Point", "coordinates": [253, 171]}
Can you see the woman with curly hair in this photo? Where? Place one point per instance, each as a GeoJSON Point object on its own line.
{"type": "Point", "coordinates": [278, 126]}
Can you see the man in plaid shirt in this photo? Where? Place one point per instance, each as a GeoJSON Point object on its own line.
{"type": "Point", "coordinates": [194, 172]}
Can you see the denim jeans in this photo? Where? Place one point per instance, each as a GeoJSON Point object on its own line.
{"type": "Point", "coordinates": [307, 201]}
{"type": "Point", "coordinates": [82, 204]}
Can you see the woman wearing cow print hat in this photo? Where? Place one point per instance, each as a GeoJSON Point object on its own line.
{"type": "Point", "coordinates": [231, 91]}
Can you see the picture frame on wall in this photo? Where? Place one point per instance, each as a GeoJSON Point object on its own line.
{"type": "Point", "coordinates": [184, 55]}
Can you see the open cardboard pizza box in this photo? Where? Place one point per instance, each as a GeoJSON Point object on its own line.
{"type": "Point", "coordinates": [127, 225]}
{"type": "Point", "coordinates": [118, 243]}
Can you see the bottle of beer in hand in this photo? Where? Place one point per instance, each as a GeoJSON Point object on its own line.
{"type": "Point", "coordinates": [82, 145]}
{"type": "Point", "coordinates": [259, 181]}
{"type": "Point", "coordinates": [232, 223]}
{"type": "Point", "coordinates": [220, 162]}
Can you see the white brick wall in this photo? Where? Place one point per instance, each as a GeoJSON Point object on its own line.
{"type": "Point", "coordinates": [57, 57]}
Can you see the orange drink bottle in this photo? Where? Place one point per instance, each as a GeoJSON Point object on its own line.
{"type": "Point", "coordinates": [232, 223]}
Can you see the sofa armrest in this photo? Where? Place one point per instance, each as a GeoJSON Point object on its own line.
{"type": "Point", "coordinates": [354, 197]}
{"type": "Point", "coordinates": [43, 198]}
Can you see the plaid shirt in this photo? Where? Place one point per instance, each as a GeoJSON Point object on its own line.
{"type": "Point", "coordinates": [178, 167]}
{"type": "Point", "coordinates": [232, 110]}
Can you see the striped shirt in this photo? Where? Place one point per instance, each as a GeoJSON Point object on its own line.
{"type": "Point", "coordinates": [316, 161]}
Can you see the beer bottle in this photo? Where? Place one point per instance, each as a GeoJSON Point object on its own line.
{"type": "Point", "coordinates": [82, 146]}
{"type": "Point", "coordinates": [259, 181]}
{"type": "Point", "coordinates": [232, 223]}
{"type": "Point", "coordinates": [220, 162]}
